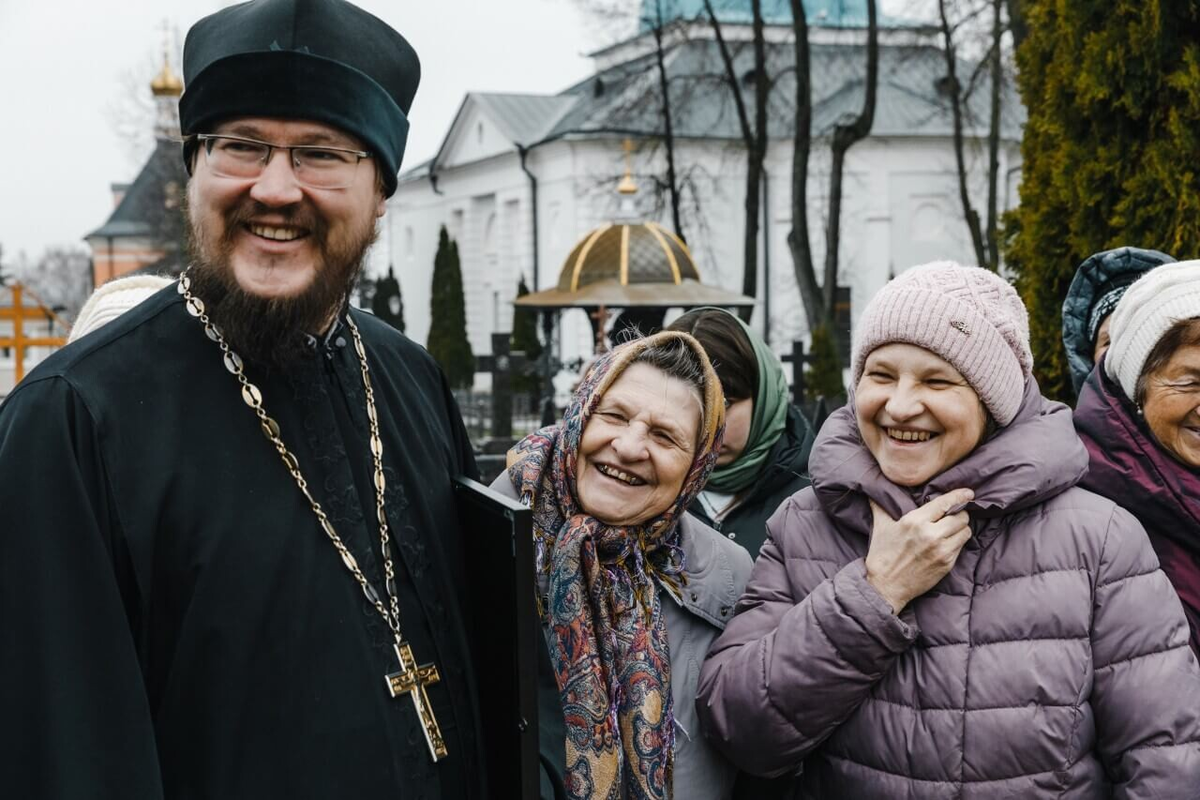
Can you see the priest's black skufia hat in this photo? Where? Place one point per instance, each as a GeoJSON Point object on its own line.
{"type": "Point", "coordinates": [322, 60]}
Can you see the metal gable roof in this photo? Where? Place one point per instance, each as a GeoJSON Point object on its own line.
{"type": "Point", "coordinates": [524, 118]}
{"type": "Point", "coordinates": [141, 210]}
{"type": "Point", "coordinates": [825, 13]}
{"type": "Point", "coordinates": [909, 102]}
{"type": "Point", "coordinates": [625, 100]}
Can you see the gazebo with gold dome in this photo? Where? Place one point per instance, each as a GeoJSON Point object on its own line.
{"type": "Point", "coordinates": [630, 264]}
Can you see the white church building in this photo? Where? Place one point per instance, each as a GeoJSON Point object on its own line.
{"type": "Point", "coordinates": [520, 178]}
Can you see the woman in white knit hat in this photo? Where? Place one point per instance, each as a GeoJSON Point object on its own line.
{"type": "Point", "coordinates": [1140, 419]}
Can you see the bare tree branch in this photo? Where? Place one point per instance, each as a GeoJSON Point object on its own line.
{"type": "Point", "coordinates": [997, 62]}
{"type": "Point", "coordinates": [755, 138]}
{"type": "Point", "coordinates": [955, 93]}
{"type": "Point", "coordinates": [668, 128]}
{"type": "Point", "coordinates": [798, 242]}
{"type": "Point", "coordinates": [844, 137]}
{"type": "Point", "coordinates": [1016, 17]}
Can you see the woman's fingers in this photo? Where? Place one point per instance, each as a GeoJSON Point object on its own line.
{"type": "Point", "coordinates": [939, 507]}
{"type": "Point", "coordinates": [952, 524]}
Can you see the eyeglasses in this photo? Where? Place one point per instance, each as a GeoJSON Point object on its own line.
{"type": "Point", "coordinates": [315, 167]}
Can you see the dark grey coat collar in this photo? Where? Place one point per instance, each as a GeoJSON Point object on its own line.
{"type": "Point", "coordinates": [716, 569]}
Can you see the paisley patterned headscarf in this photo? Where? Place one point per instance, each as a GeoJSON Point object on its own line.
{"type": "Point", "coordinates": [608, 638]}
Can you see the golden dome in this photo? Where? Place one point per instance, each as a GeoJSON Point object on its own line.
{"type": "Point", "coordinates": [166, 83]}
{"type": "Point", "coordinates": [630, 264]}
{"type": "Point", "coordinates": [635, 253]}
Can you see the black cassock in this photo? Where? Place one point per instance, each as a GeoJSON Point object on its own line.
{"type": "Point", "coordinates": [173, 620]}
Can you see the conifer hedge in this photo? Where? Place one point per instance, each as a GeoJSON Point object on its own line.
{"type": "Point", "coordinates": [386, 289]}
{"type": "Point", "coordinates": [1110, 149]}
{"type": "Point", "coordinates": [447, 341]}
{"type": "Point", "coordinates": [823, 378]}
{"type": "Point", "coordinates": [525, 340]}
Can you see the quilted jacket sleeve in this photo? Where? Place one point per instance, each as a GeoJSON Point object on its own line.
{"type": "Point", "coordinates": [1146, 693]}
{"type": "Point", "coordinates": [795, 661]}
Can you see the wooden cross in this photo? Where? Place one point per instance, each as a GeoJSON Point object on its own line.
{"type": "Point", "coordinates": [412, 680]}
{"type": "Point", "coordinates": [18, 313]}
{"type": "Point", "coordinates": [503, 364]}
{"type": "Point", "coordinates": [600, 321]}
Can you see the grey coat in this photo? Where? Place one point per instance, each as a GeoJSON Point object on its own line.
{"type": "Point", "coordinates": [1051, 662]}
{"type": "Point", "coordinates": [717, 570]}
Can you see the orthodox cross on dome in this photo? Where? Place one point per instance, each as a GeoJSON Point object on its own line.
{"type": "Point", "coordinates": [600, 323]}
{"type": "Point", "coordinates": [627, 184]}
{"type": "Point", "coordinates": [627, 210]}
{"type": "Point", "coordinates": [166, 87]}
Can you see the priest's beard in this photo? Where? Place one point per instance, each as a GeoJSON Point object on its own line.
{"type": "Point", "coordinates": [270, 331]}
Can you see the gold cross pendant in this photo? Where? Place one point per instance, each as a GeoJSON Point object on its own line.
{"type": "Point", "coordinates": [412, 680]}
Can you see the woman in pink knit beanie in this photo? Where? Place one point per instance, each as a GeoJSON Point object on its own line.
{"type": "Point", "coordinates": [944, 612]}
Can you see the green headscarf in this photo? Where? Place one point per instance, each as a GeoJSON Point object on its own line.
{"type": "Point", "coordinates": [766, 425]}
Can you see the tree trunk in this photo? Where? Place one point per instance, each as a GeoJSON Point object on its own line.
{"type": "Point", "coordinates": [992, 234]}
{"type": "Point", "coordinates": [955, 94]}
{"type": "Point", "coordinates": [668, 126]}
{"type": "Point", "coordinates": [754, 139]}
{"type": "Point", "coordinates": [798, 243]}
{"type": "Point", "coordinates": [844, 137]}
{"type": "Point", "coordinates": [1016, 21]}
{"type": "Point", "coordinates": [758, 154]}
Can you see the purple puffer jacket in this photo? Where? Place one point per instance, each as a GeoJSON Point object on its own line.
{"type": "Point", "coordinates": [1129, 467]}
{"type": "Point", "coordinates": [1052, 661]}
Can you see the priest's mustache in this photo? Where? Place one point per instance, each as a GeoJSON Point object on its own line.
{"type": "Point", "coordinates": [297, 215]}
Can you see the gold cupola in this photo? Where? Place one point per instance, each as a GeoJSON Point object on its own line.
{"type": "Point", "coordinates": [166, 83]}
{"type": "Point", "coordinates": [630, 262]}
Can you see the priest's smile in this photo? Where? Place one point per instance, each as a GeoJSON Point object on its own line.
{"type": "Point", "coordinates": [277, 233]}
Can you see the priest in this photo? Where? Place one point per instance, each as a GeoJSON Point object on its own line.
{"type": "Point", "coordinates": [230, 565]}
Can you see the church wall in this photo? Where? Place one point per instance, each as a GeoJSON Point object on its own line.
{"type": "Point", "coordinates": [900, 208]}
{"type": "Point", "coordinates": [120, 256]}
{"type": "Point", "coordinates": [484, 207]}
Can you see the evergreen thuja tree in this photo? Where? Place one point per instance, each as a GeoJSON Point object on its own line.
{"type": "Point", "coordinates": [387, 303]}
{"type": "Point", "coordinates": [823, 378]}
{"type": "Point", "coordinates": [1109, 152]}
{"type": "Point", "coordinates": [447, 340]}
{"type": "Point", "coordinates": [525, 340]}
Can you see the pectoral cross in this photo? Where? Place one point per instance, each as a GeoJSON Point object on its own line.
{"type": "Point", "coordinates": [412, 680]}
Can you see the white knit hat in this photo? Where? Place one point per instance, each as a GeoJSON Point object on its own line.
{"type": "Point", "coordinates": [113, 299]}
{"type": "Point", "coordinates": [1154, 303]}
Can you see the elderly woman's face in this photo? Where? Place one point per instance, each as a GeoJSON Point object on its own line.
{"type": "Point", "coordinates": [1172, 405]}
{"type": "Point", "coordinates": [917, 415]}
{"type": "Point", "coordinates": [1103, 340]}
{"type": "Point", "coordinates": [637, 447]}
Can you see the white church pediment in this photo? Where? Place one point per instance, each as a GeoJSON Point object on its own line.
{"type": "Point", "coordinates": [472, 137]}
{"type": "Point", "coordinates": [491, 124]}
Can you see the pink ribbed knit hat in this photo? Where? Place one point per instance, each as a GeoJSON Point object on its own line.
{"type": "Point", "coordinates": [969, 316]}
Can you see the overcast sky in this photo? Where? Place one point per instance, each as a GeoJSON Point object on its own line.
{"type": "Point", "coordinates": [68, 66]}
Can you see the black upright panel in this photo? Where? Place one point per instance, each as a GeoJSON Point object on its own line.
{"type": "Point", "coordinates": [504, 631]}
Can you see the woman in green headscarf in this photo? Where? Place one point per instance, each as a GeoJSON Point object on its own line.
{"type": "Point", "coordinates": [764, 457]}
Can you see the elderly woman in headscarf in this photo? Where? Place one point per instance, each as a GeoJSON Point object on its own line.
{"type": "Point", "coordinates": [632, 589]}
{"type": "Point", "coordinates": [944, 613]}
{"type": "Point", "coordinates": [1140, 418]}
{"type": "Point", "coordinates": [763, 458]}
{"type": "Point", "coordinates": [1095, 290]}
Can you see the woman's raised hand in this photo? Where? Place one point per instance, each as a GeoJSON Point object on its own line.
{"type": "Point", "coordinates": [908, 556]}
